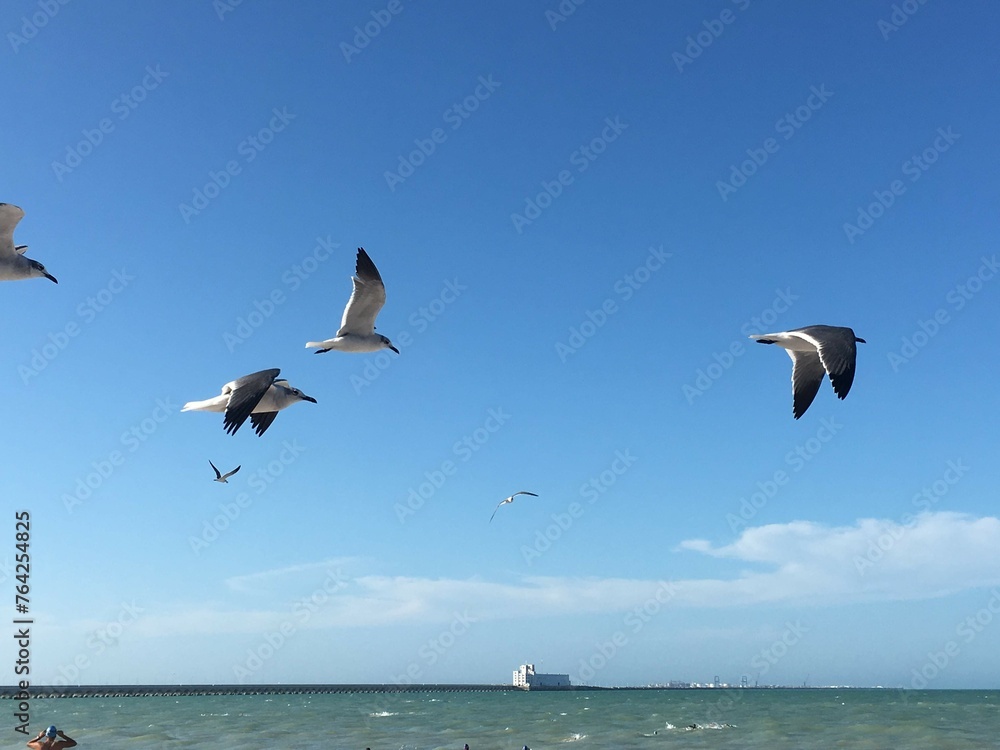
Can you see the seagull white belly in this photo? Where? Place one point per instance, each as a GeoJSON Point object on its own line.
{"type": "Point", "coordinates": [353, 343]}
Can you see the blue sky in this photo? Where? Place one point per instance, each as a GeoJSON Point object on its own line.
{"type": "Point", "coordinates": [579, 218]}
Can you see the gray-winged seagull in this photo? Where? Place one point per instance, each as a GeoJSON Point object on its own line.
{"type": "Point", "coordinates": [815, 350]}
{"type": "Point", "coordinates": [510, 500]}
{"type": "Point", "coordinates": [357, 327]}
{"type": "Point", "coordinates": [14, 266]}
{"type": "Point", "coordinates": [219, 476]}
{"type": "Point", "coordinates": [259, 396]}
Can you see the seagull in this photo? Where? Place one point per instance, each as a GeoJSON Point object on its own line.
{"type": "Point", "coordinates": [259, 396]}
{"type": "Point", "coordinates": [510, 500]}
{"type": "Point", "coordinates": [219, 476]}
{"type": "Point", "coordinates": [357, 328]}
{"type": "Point", "coordinates": [14, 266]}
{"type": "Point", "coordinates": [815, 349]}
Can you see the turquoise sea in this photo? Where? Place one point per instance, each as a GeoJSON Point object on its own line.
{"type": "Point", "coordinates": [586, 720]}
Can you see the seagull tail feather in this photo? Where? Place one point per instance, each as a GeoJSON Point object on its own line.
{"type": "Point", "coordinates": [210, 404]}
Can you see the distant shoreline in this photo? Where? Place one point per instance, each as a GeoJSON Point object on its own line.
{"type": "Point", "coordinates": [142, 691]}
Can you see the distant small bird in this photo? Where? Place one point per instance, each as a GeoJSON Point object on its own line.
{"type": "Point", "coordinates": [815, 350]}
{"type": "Point", "coordinates": [259, 396]}
{"type": "Point", "coordinates": [510, 500]}
{"type": "Point", "coordinates": [14, 266]}
{"type": "Point", "coordinates": [219, 476]}
{"type": "Point", "coordinates": [357, 327]}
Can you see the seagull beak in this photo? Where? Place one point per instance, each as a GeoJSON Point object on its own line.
{"type": "Point", "coordinates": [394, 348]}
{"type": "Point", "coordinates": [51, 278]}
{"type": "Point", "coordinates": [860, 341]}
{"type": "Point", "coordinates": [308, 398]}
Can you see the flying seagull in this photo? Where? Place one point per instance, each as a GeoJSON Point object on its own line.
{"type": "Point", "coordinates": [219, 476]}
{"type": "Point", "coordinates": [259, 396]}
{"type": "Point", "coordinates": [357, 327]}
{"type": "Point", "coordinates": [510, 500]}
{"type": "Point", "coordinates": [815, 349]}
{"type": "Point", "coordinates": [14, 266]}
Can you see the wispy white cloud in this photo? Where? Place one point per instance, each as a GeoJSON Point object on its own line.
{"type": "Point", "coordinates": [797, 563]}
{"type": "Point", "coordinates": [266, 581]}
{"type": "Point", "coordinates": [927, 555]}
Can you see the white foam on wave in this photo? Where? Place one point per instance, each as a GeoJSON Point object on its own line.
{"type": "Point", "coordinates": [575, 737]}
{"type": "Point", "coordinates": [383, 713]}
{"type": "Point", "coordinates": [709, 725]}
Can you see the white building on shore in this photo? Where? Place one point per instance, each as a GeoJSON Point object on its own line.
{"type": "Point", "coordinates": [526, 677]}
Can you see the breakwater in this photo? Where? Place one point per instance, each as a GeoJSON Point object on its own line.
{"type": "Point", "coordinates": [137, 691]}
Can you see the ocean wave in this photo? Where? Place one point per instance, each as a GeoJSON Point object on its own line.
{"type": "Point", "coordinates": [709, 725]}
{"type": "Point", "coordinates": [384, 713]}
{"type": "Point", "coordinates": [575, 737]}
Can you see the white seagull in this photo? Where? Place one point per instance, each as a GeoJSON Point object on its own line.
{"type": "Point", "coordinates": [219, 476]}
{"type": "Point", "coordinates": [815, 350]}
{"type": "Point", "coordinates": [259, 396]}
{"type": "Point", "coordinates": [357, 327]}
{"type": "Point", "coordinates": [14, 266]}
{"type": "Point", "coordinates": [510, 500]}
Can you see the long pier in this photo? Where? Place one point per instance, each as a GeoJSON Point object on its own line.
{"type": "Point", "coordinates": [139, 691]}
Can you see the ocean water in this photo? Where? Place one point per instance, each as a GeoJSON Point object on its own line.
{"type": "Point", "coordinates": [590, 720]}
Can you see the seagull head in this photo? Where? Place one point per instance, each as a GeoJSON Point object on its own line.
{"type": "Point", "coordinates": [37, 269]}
{"type": "Point", "coordinates": [386, 344]}
{"type": "Point", "coordinates": [300, 395]}
{"type": "Point", "coordinates": [295, 393]}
